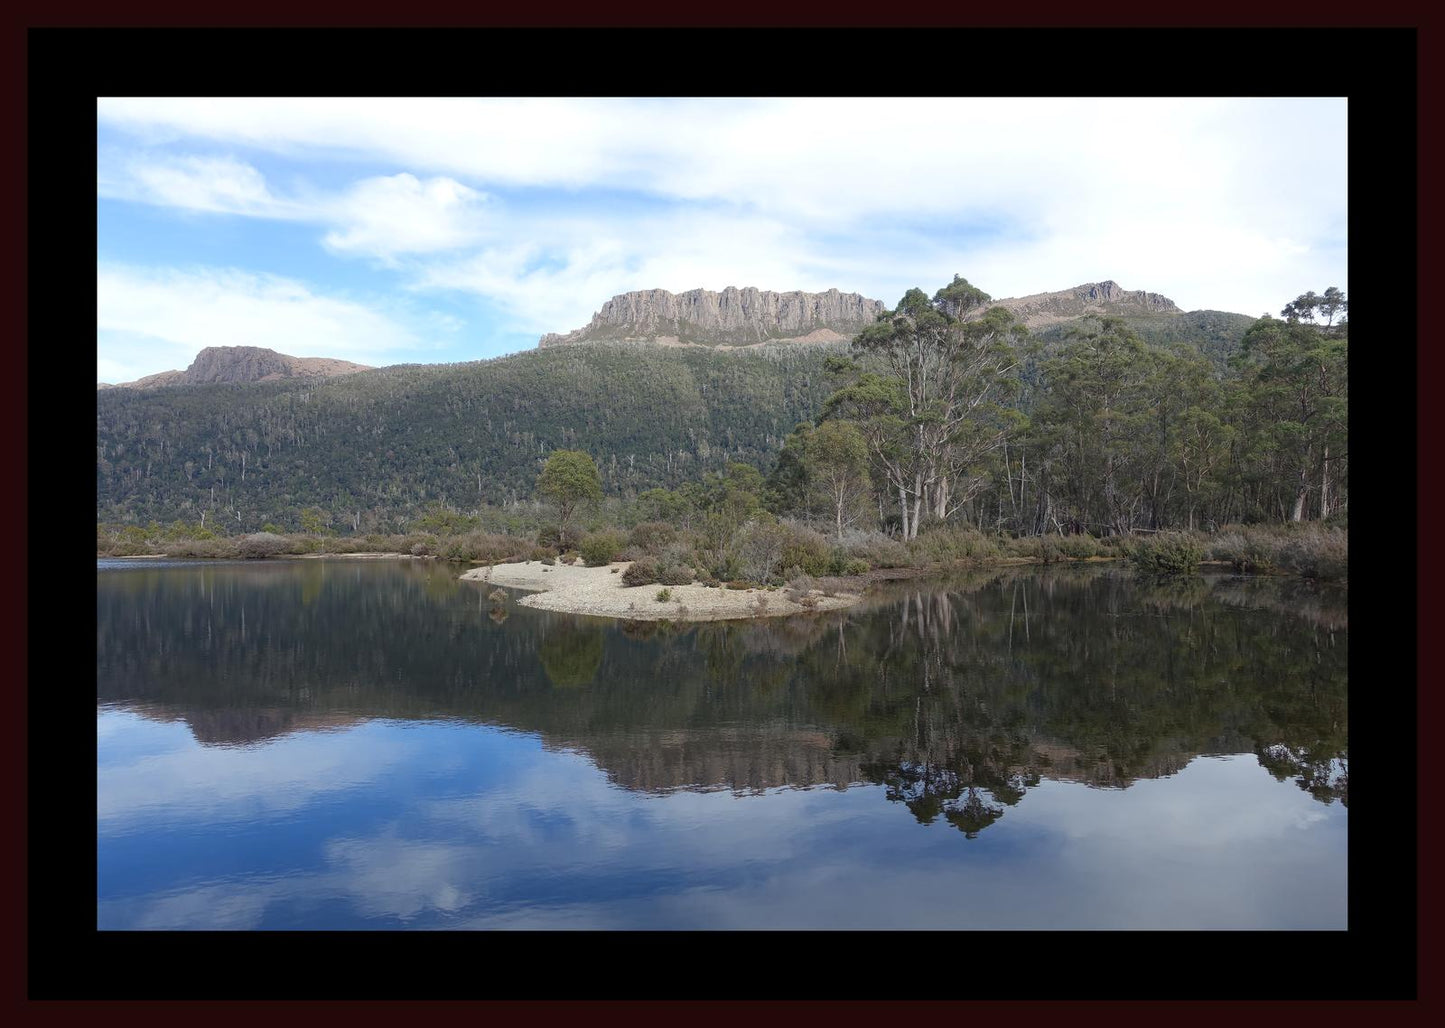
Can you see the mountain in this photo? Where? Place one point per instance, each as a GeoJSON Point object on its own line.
{"type": "Point", "coordinates": [733, 317]}
{"type": "Point", "coordinates": [1106, 298]}
{"type": "Point", "coordinates": [233, 364]}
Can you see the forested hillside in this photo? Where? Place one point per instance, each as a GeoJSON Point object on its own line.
{"type": "Point", "coordinates": [373, 449]}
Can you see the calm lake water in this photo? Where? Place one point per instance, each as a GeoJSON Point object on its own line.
{"type": "Point", "coordinates": [340, 745]}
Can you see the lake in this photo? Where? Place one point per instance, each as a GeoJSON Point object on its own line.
{"type": "Point", "coordinates": [317, 744]}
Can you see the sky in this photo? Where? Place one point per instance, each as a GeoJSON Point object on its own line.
{"type": "Point", "coordinates": [418, 231]}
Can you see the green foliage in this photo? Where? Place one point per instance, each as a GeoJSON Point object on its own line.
{"type": "Point", "coordinates": [602, 547]}
{"type": "Point", "coordinates": [569, 481]}
{"type": "Point", "coordinates": [652, 535]}
{"type": "Point", "coordinates": [663, 595]}
{"type": "Point", "coordinates": [438, 518]}
{"type": "Point", "coordinates": [376, 449]}
{"type": "Point", "coordinates": [1167, 553]}
{"type": "Point", "coordinates": [806, 550]}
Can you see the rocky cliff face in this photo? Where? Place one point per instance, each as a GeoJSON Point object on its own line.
{"type": "Point", "coordinates": [733, 317]}
{"type": "Point", "coordinates": [243, 364]}
{"type": "Point", "coordinates": [1105, 298]}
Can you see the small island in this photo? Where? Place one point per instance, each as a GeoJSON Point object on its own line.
{"type": "Point", "coordinates": [602, 591]}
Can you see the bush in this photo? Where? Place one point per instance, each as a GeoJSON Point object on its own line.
{"type": "Point", "coordinates": [555, 538]}
{"type": "Point", "coordinates": [487, 548]}
{"type": "Point", "coordinates": [758, 547]}
{"type": "Point", "coordinates": [640, 572]}
{"type": "Point", "coordinates": [652, 535]}
{"type": "Point", "coordinates": [599, 548]}
{"type": "Point", "coordinates": [497, 596]}
{"type": "Point", "coordinates": [800, 588]}
{"type": "Point", "coordinates": [542, 553]}
{"type": "Point", "coordinates": [1167, 553]}
{"type": "Point", "coordinates": [948, 543]}
{"type": "Point", "coordinates": [878, 550]}
{"type": "Point", "coordinates": [855, 566]}
{"type": "Point", "coordinates": [663, 595]}
{"type": "Point", "coordinates": [201, 548]}
{"type": "Point", "coordinates": [675, 574]}
{"type": "Point", "coordinates": [805, 549]}
{"type": "Point", "coordinates": [261, 544]}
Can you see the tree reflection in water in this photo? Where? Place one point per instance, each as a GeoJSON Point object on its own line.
{"type": "Point", "coordinates": [957, 697]}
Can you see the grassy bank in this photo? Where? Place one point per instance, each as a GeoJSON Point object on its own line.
{"type": "Point", "coordinates": [764, 551]}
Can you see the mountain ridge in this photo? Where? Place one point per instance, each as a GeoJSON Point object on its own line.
{"type": "Point", "coordinates": [730, 317]}
{"type": "Point", "coordinates": [240, 364]}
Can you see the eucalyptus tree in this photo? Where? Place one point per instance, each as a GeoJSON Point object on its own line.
{"type": "Point", "coordinates": [569, 480]}
{"type": "Point", "coordinates": [928, 397]}
{"type": "Point", "coordinates": [1295, 401]}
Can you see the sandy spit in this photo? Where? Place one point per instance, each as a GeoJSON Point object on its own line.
{"type": "Point", "coordinates": [574, 589]}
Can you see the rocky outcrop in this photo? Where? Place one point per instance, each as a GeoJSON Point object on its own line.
{"type": "Point", "coordinates": [1103, 298]}
{"type": "Point", "coordinates": [243, 364]}
{"type": "Point", "coordinates": [733, 317]}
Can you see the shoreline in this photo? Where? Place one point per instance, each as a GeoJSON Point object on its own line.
{"type": "Point", "coordinates": [573, 589]}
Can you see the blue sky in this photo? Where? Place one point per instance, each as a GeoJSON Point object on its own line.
{"type": "Point", "coordinates": [387, 231]}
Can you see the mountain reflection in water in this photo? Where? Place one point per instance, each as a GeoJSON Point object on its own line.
{"type": "Point", "coordinates": [957, 697]}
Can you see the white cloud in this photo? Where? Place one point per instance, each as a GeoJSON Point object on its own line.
{"type": "Point", "coordinates": [156, 319]}
{"type": "Point", "coordinates": [219, 184]}
{"type": "Point", "coordinates": [381, 217]}
{"type": "Point", "coordinates": [1235, 204]}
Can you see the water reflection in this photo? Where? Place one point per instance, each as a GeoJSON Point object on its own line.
{"type": "Point", "coordinates": [957, 698]}
{"type": "Point", "coordinates": [331, 745]}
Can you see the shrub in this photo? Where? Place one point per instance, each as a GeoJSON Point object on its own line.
{"type": "Point", "coordinates": [487, 548]}
{"type": "Point", "coordinates": [201, 548]}
{"type": "Point", "coordinates": [1167, 553]}
{"type": "Point", "coordinates": [855, 566]}
{"type": "Point", "coordinates": [800, 591]}
{"type": "Point", "coordinates": [1322, 554]}
{"type": "Point", "coordinates": [497, 596]}
{"type": "Point", "coordinates": [758, 547]}
{"type": "Point", "coordinates": [261, 544]}
{"type": "Point", "coordinates": [640, 572]}
{"type": "Point", "coordinates": [558, 538]}
{"type": "Point", "coordinates": [663, 595]}
{"type": "Point", "coordinates": [675, 574]}
{"type": "Point", "coordinates": [542, 553]}
{"type": "Point", "coordinates": [805, 549]}
{"type": "Point", "coordinates": [946, 543]}
{"type": "Point", "coordinates": [878, 550]}
{"type": "Point", "coordinates": [652, 535]}
{"type": "Point", "coordinates": [599, 548]}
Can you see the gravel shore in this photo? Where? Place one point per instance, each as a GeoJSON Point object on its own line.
{"type": "Point", "coordinates": [576, 589]}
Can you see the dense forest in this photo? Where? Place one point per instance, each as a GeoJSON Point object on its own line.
{"type": "Point", "coordinates": [931, 415]}
{"type": "Point", "coordinates": [372, 451]}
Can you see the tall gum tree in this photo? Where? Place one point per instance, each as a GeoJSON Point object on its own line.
{"type": "Point", "coordinates": [1296, 399]}
{"type": "Point", "coordinates": [929, 396]}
